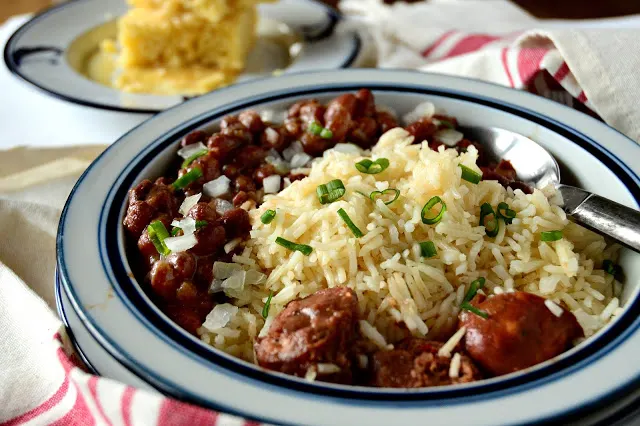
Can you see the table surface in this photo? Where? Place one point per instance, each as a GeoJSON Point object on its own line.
{"type": "Point", "coordinates": [565, 9]}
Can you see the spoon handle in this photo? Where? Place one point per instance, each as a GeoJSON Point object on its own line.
{"type": "Point", "coordinates": [603, 215]}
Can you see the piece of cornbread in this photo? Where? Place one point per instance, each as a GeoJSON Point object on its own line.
{"type": "Point", "coordinates": [152, 38]}
{"type": "Point", "coordinates": [189, 81]}
{"type": "Point", "coordinates": [213, 10]}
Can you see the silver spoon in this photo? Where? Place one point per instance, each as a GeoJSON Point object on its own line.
{"type": "Point", "coordinates": [535, 166]}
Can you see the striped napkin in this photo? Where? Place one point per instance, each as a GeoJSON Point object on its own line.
{"type": "Point", "coordinates": [590, 67]}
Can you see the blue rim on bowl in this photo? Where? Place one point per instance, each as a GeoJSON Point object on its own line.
{"type": "Point", "coordinates": [37, 52]}
{"type": "Point", "coordinates": [503, 103]}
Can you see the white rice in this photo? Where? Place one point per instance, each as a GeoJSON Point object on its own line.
{"type": "Point", "coordinates": [399, 292]}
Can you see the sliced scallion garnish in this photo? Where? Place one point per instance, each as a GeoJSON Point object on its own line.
{"type": "Point", "coordinates": [427, 208]}
{"type": "Point", "coordinates": [331, 191]}
{"type": "Point", "coordinates": [469, 307]}
{"type": "Point", "coordinates": [267, 305]}
{"type": "Point", "coordinates": [506, 213]}
{"type": "Point", "coordinates": [352, 226]}
{"type": "Point", "coordinates": [157, 234]}
{"type": "Point", "coordinates": [610, 267]}
{"type": "Point", "coordinates": [371, 167]}
{"type": "Point", "coordinates": [268, 216]}
{"type": "Point", "coordinates": [326, 133]}
{"type": "Point", "coordinates": [302, 248]}
{"type": "Point", "coordinates": [199, 224]}
{"type": "Point", "coordinates": [387, 194]}
{"type": "Point", "coordinates": [188, 178]}
{"type": "Point", "coordinates": [315, 128]}
{"type": "Point", "coordinates": [193, 157]}
{"type": "Point", "coordinates": [427, 249]}
{"type": "Point", "coordinates": [491, 226]}
{"type": "Point", "coordinates": [551, 236]}
{"type": "Point", "coordinates": [470, 175]}
{"type": "Point", "coordinates": [473, 289]}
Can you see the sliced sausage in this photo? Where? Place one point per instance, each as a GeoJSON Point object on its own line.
{"type": "Point", "coordinates": [416, 364]}
{"type": "Point", "coordinates": [520, 332]}
{"type": "Point", "coordinates": [320, 328]}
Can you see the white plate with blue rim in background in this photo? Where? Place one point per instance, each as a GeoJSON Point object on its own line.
{"type": "Point", "coordinates": [597, 381]}
{"type": "Point", "coordinates": [52, 50]}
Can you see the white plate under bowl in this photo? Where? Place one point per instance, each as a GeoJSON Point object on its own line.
{"type": "Point", "coordinates": [38, 52]}
{"type": "Point", "coordinates": [94, 270]}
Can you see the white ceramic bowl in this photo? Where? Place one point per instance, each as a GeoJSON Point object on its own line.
{"type": "Point", "coordinates": [119, 317]}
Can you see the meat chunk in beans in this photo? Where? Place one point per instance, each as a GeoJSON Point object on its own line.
{"type": "Point", "coordinates": [415, 363]}
{"type": "Point", "coordinates": [319, 329]}
{"type": "Point", "coordinates": [520, 332]}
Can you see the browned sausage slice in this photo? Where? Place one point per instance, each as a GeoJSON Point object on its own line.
{"type": "Point", "coordinates": [520, 332]}
{"type": "Point", "coordinates": [416, 364]}
{"type": "Point", "coordinates": [319, 329]}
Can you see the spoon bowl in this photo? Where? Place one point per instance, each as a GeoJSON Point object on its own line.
{"type": "Point", "coordinates": [535, 166]}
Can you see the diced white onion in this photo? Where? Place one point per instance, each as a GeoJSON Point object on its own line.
{"type": "Point", "coordinates": [553, 307]}
{"type": "Point", "coordinates": [216, 286]}
{"type": "Point", "coordinates": [188, 203]}
{"type": "Point", "coordinates": [363, 361]}
{"type": "Point", "coordinates": [272, 116]}
{"type": "Point", "coordinates": [188, 225]}
{"type": "Point", "coordinates": [327, 368]}
{"type": "Point", "coordinates": [223, 270]}
{"type": "Point", "coordinates": [235, 281]}
{"type": "Point", "coordinates": [271, 184]}
{"type": "Point", "coordinates": [183, 243]}
{"type": "Point", "coordinates": [454, 367]}
{"type": "Point", "coordinates": [448, 137]}
{"type": "Point", "coordinates": [217, 187]}
{"type": "Point", "coordinates": [293, 149]}
{"type": "Point", "coordinates": [222, 206]}
{"type": "Point", "coordinates": [300, 160]}
{"type": "Point", "coordinates": [189, 150]}
{"type": "Point", "coordinates": [301, 171]}
{"type": "Point", "coordinates": [228, 248]}
{"type": "Point", "coordinates": [425, 109]}
{"type": "Point", "coordinates": [253, 277]}
{"type": "Point", "coordinates": [220, 316]}
{"type": "Point", "coordinates": [347, 148]}
{"type": "Point", "coordinates": [272, 135]}
{"type": "Point", "coordinates": [311, 374]}
{"type": "Point", "coordinates": [287, 182]}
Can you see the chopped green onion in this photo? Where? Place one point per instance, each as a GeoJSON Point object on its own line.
{"type": "Point", "coordinates": [157, 234]}
{"type": "Point", "coordinates": [330, 192]}
{"type": "Point", "coordinates": [427, 249]}
{"type": "Point", "coordinates": [268, 216]}
{"type": "Point", "coordinates": [302, 248]}
{"type": "Point", "coordinates": [469, 307]}
{"type": "Point", "coordinates": [175, 231]}
{"type": "Point", "coordinates": [187, 178]}
{"type": "Point", "coordinates": [326, 133]}
{"type": "Point", "coordinates": [372, 167]}
{"type": "Point", "coordinates": [427, 207]}
{"type": "Point", "coordinates": [492, 226]}
{"type": "Point", "coordinates": [610, 267]}
{"type": "Point", "coordinates": [376, 194]}
{"type": "Point", "coordinates": [267, 305]}
{"type": "Point", "coordinates": [473, 289]}
{"type": "Point", "coordinates": [470, 175]}
{"type": "Point", "coordinates": [352, 226]}
{"type": "Point", "coordinates": [505, 212]}
{"type": "Point", "coordinates": [551, 236]}
{"type": "Point", "coordinates": [193, 157]}
{"type": "Point", "coordinates": [315, 128]}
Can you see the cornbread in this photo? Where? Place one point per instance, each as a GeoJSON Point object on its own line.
{"type": "Point", "coordinates": [151, 38]}
{"type": "Point", "coordinates": [212, 10]}
{"type": "Point", "coordinates": [190, 81]}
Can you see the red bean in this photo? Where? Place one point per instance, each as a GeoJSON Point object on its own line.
{"type": "Point", "coordinates": [209, 165]}
{"type": "Point", "coordinates": [230, 170]}
{"type": "Point", "coordinates": [339, 115]}
{"type": "Point", "coordinates": [163, 281]}
{"type": "Point", "coordinates": [240, 198]}
{"type": "Point", "coordinates": [147, 249]}
{"type": "Point", "coordinates": [252, 121]}
{"type": "Point", "coordinates": [140, 191]}
{"type": "Point", "coordinates": [211, 238]}
{"type": "Point", "coordinates": [386, 121]}
{"type": "Point", "coordinates": [223, 147]}
{"type": "Point", "coordinates": [312, 112]}
{"type": "Point", "coordinates": [294, 127]}
{"type": "Point", "coordinates": [262, 172]}
{"type": "Point", "coordinates": [365, 132]}
{"type": "Point", "coordinates": [366, 103]}
{"type": "Point", "coordinates": [193, 137]}
{"type": "Point", "coordinates": [236, 223]}
{"type": "Point", "coordinates": [203, 211]}
{"type": "Point", "coordinates": [422, 130]}
{"type": "Point", "coordinates": [187, 292]}
{"type": "Point", "coordinates": [315, 145]}
{"type": "Point", "coordinates": [138, 216]}
{"type": "Point", "coordinates": [275, 137]}
{"type": "Point", "coordinates": [244, 183]}
{"type": "Point", "coordinates": [250, 157]}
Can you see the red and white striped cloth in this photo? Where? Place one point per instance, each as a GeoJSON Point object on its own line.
{"type": "Point", "coordinates": [588, 68]}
